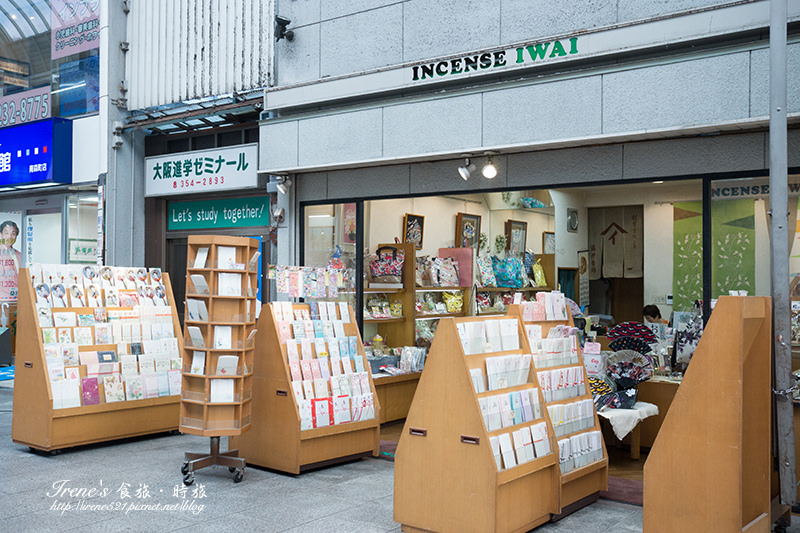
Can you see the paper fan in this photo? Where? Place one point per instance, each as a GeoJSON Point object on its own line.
{"type": "Point", "coordinates": [630, 343]}
{"type": "Point", "coordinates": [632, 329]}
{"type": "Point", "coordinates": [630, 356]}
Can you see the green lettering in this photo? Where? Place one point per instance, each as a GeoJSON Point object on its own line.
{"type": "Point", "coordinates": [486, 60]}
{"type": "Point", "coordinates": [441, 68]}
{"type": "Point", "coordinates": [415, 70]}
{"type": "Point", "coordinates": [573, 45]}
{"type": "Point", "coordinates": [455, 66]}
{"type": "Point", "coordinates": [538, 49]}
{"type": "Point", "coordinates": [427, 71]}
{"type": "Point", "coordinates": [520, 57]}
{"type": "Point", "coordinates": [558, 49]}
{"type": "Point", "coordinates": [470, 63]}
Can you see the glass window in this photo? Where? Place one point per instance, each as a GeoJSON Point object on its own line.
{"type": "Point", "coordinates": [330, 241]}
{"type": "Point", "coordinates": [25, 45]}
{"type": "Point", "coordinates": [82, 228]}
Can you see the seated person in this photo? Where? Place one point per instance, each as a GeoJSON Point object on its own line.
{"type": "Point", "coordinates": [652, 313]}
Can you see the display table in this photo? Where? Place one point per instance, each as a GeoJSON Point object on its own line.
{"type": "Point", "coordinates": [395, 394]}
{"type": "Point", "coordinates": [624, 421]}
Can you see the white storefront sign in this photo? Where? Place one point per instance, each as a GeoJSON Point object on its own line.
{"type": "Point", "coordinates": [220, 169]}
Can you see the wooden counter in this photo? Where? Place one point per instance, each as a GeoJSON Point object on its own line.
{"type": "Point", "coordinates": [659, 392]}
{"type": "Point", "coordinates": [395, 394]}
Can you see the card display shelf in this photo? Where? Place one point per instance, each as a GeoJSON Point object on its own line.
{"type": "Point", "coordinates": [578, 487]}
{"type": "Point", "coordinates": [228, 314]}
{"type": "Point", "coordinates": [446, 478]}
{"type": "Point", "coordinates": [275, 439]}
{"type": "Point", "coordinates": [724, 449]}
{"type": "Point", "coordinates": [219, 418]}
{"type": "Point", "coordinates": [37, 425]}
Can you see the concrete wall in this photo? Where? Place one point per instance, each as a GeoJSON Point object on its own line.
{"type": "Point", "coordinates": [335, 38]}
{"type": "Point", "coordinates": [690, 96]}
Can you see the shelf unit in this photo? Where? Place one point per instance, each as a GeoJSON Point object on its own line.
{"type": "Point", "coordinates": [714, 463]}
{"type": "Point", "coordinates": [446, 475]}
{"type": "Point", "coordinates": [276, 440]}
{"type": "Point", "coordinates": [548, 264]}
{"type": "Point", "coordinates": [37, 425]}
{"type": "Point", "coordinates": [199, 416]}
{"type": "Point", "coordinates": [215, 404]}
{"type": "Point", "coordinates": [579, 487]}
{"type": "Point", "coordinates": [401, 331]}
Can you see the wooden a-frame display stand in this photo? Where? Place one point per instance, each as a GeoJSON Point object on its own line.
{"type": "Point", "coordinates": [37, 425]}
{"type": "Point", "coordinates": [446, 478]}
{"type": "Point", "coordinates": [276, 440]}
{"type": "Point", "coordinates": [709, 468]}
{"type": "Point", "coordinates": [227, 308]}
{"type": "Point", "coordinates": [582, 486]}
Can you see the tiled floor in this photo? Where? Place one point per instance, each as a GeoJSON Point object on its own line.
{"type": "Point", "coordinates": [353, 497]}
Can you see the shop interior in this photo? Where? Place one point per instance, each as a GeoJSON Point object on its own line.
{"type": "Point", "coordinates": [559, 226]}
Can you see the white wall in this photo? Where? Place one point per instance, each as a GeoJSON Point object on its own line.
{"type": "Point", "coordinates": [86, 152]}
{"type": "Point", "coordinates": [386, 221]}
{"type": "Point", "coordinates": [568, 244]}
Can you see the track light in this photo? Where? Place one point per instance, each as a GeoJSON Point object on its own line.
{"type": "Point", "coordinates": [281, 23]}
{"type": "Point", "coordinates": [279, 183]}
{"type": "Point", "coordinates": [489, 170]}
{"type": "Point", "coordinates": [466, 171]}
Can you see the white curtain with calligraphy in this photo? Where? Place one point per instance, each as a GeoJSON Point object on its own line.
{"type": "Point", "coordinates": [616, 242]}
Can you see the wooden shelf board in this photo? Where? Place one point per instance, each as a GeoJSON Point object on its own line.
{"type": "Point", "coordinates": [440, 289]}
{"type": "Point", "coordinates": [588, 469]}
{"type": "Point", "coordinates": [427, 316]}
{"type": "Point", "coordinates": [115, 406]}
{"type": "Point", "coordinates": [382, 291]}
{"type": "Point", "coordinates": [506, 476]}
{"type": "Point", "coordinates": [385, 380]}
{"type": "Point", "coordinates": [515, 427]}
{"type": "Point", "coordinates": [569, 400]}
{"type": "Point", "coordinates": [340, 428]}
{"type": "Point", "coordinates": [384, 320]}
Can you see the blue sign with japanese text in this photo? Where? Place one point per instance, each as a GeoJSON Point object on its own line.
{"type": "Point", "coordinates": [36, 152]}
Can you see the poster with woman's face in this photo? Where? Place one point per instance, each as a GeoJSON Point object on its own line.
{"type": "Point", "coordinates": [10, 255]}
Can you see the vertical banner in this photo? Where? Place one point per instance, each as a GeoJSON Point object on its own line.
{"type": "Point", "coordinates": [633, 241]}
{"type": "Point", "coordinates": [687, 254]}
{"type": "Point", "coordinates": [10, 256]}
{"type": "Point", "coordinates": [733, 253]}
{"type": "Point", "coordinates": [613, 236]}
{"type": "Point", "coordinates": [75, 27]}
{"type": "Point", "coordinates": [583, 277]}
{"type": "Point", "coordinates": [596, 220]}
{"type": "Point", "coordinates": [349, 224]}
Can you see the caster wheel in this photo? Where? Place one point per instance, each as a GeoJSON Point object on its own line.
{"type": "Point", "coordinates": [237, 477]}
{"type": "Point", "coordinates": [231, 469]}
{"type": "Point", "coordinates": [53, 453]}
{"type": "Point", "coordinates": [188, 479]}
{"type": "Point", "coordinates": [185, 468]}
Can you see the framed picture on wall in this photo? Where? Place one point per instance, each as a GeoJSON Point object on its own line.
{"type": "Point", "coordinates": [468, 230]}
{"type": "Point", "coordinates": [412, 229]}
{"type": "Point", "coordinates": [516, 236]}
{"type": "Point", "coordinates": [82, 251]}
{"type": "Point", "coordinates": [548, 242]}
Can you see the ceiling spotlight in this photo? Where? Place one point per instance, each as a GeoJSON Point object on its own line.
{"type": "Point", "coordinates": [284, 185]}
{"type": "Point", "coordinates": [466, 171]}
{"type": "Point", "coordinates": [489, 169]}
{"type": "Point", "coordinates": [279, 183]}
{"type": "Point", "coordinates": [281, 23]}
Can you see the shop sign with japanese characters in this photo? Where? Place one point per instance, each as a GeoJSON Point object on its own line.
{"type": "Point", "coordinates": [202, 171]}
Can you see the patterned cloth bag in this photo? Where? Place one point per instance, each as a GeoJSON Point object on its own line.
{"type": "Point", "coordinates": [508, 272]}
{"type": "Point", "coordinates": [448, 272]}
{"type": "Point", "coordinates": [388, 265]}
{"type": "Point", "coordinates": [486, 272]}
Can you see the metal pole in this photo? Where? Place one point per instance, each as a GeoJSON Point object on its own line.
{"type": "Point", "coordinates": [779, 250]}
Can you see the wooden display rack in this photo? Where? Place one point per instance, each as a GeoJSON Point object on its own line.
{"type": "Point", "coordinates": [37, 425]}
{"type": "Point", "coordinates": [199, 415]}
{"type": "Point", "coordinates": [276, 440]}
{"type": "Point", "coordinates": [709, 468]}
{"type": "Point", "coordinates": [580, 487]}
{"type": "Point", "coordinates": [397, 392]}
{"type": "Point", "coordinates": [446, 478]}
